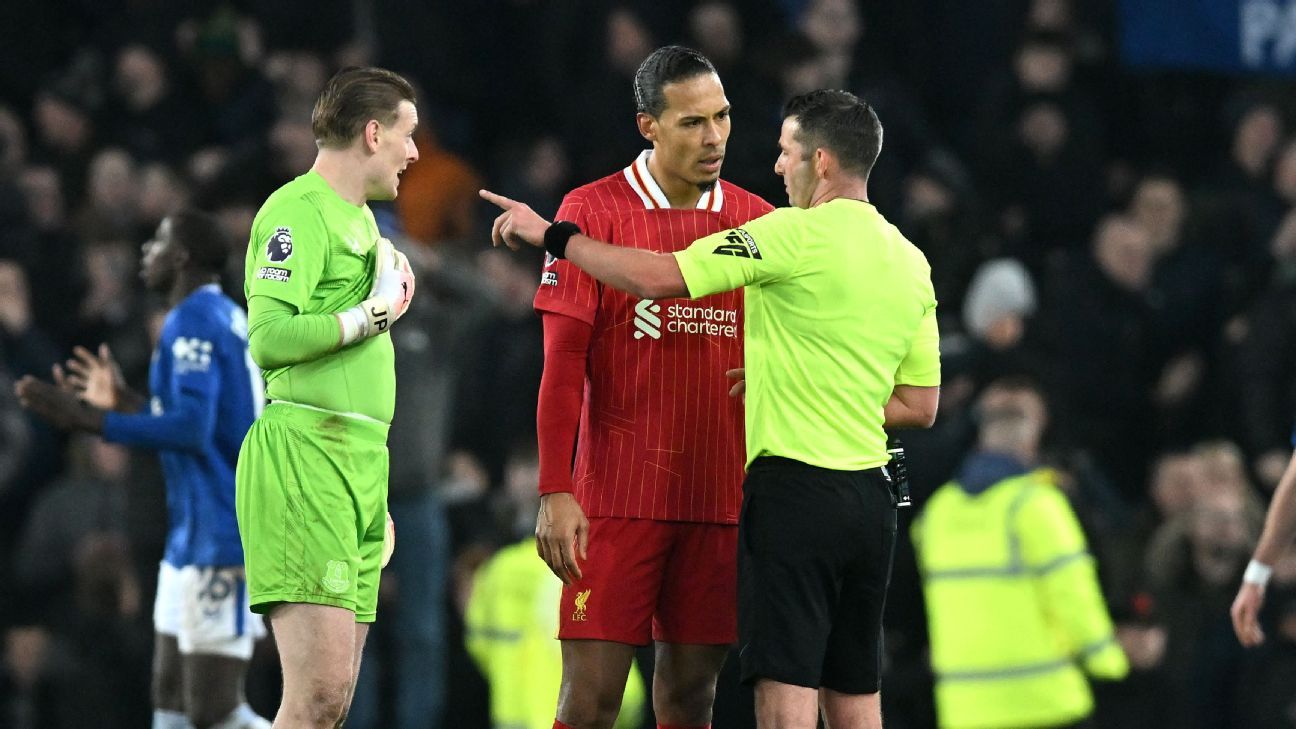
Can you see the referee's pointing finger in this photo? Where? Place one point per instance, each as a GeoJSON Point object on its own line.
{"type": "Point", "coordinates": [499, 200]}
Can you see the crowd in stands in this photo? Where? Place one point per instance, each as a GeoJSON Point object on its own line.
{"type": "Point", "coordinates": [1126, 240]}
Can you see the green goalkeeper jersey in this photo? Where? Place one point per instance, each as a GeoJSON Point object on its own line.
{"type": "Point", "coordinates": [314, 251]}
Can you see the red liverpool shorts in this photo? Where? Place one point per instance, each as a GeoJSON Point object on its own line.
{"type": "Point", "coordinates": [646, 580]}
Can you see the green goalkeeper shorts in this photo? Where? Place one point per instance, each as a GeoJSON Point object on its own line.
{"type": "Point", "coordinates": [311, 497]}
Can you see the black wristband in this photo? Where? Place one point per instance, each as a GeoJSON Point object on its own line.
{"type": "Point", "coordinates": [556, 237]}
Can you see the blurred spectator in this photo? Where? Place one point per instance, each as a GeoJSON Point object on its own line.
{"type": "Point", "coordinates": [147, 114]}
{"type": "Point", "coordinates": [1266, 363]}
{"type": "Point", "coordinates": [1038, 134]}
{"type": "Point", "coordinates": [75, 574]}
{"type": "Point", "coordinates": [833, 27]}
{"type": "Point", "coordinates": [835, 30]}
{"type": "Point", "coordinates": [111, 311]}
{"type": "Point", "coordinates": [1178, 481]}
{"type": "Point", "coordinates": [1193, 567]}
{"type": "Point", "coordinates": [1256, 134]}
{"type": "Point", "coordinates": [442, 322]}
{"type": "Point", "coordinates": [1010, 125]}
{"type": "Point", "coordinates": [937, 215]}
{"type": "Point", "coordinates": [1242, 207]}
{"type": "Point", "coordinates": [800, 67]}
{"type": "Point", "coordinates": [1043, 65]}
{"type": "Point", "coordinates": [600, 131]}
{"type": "Point", "coordinates": [64, 136]}
{"type": "Point", "coordinates": [161, 192]}
{"type": "Point", "coordinates": [1052, 185]}
{"type": "Point", "coordinates": [24, 348]}
{"type": "Point", "coordinates": [997, 313]}
{"type": "Point", "coordinates": [90, 499]}
{"type": "Point", "coordinates": [1225, 469]}
{"type": "Point", "coordinates": [715, 28]}
{"type": "Point", "coordinates": [1187, 295]}
{"type": "Point", "coordinates": [298, 78]}
{"type": "Point", "coordinates": [46, 204]}
{"type": "Point", "coordinates": [25, 651]}
{"type": "Point", "coordinates": [503, 378]}
{"type": "Point", "coordinates": [541, 177]}
{"type": "Point", "coordinates": [1015, 611]}
{"type": "Point", "coordinates": [292, 150]}
{"type": "Point", "coordinates": [1068, 19]}
{"type": "Point", "coordinates": [510, 620]}
{"type": "Point", "coordinates": [13, 141]}
{"type": "Point", "coordinates": [1185, 286]}
{"type": "Point", "coordinates": [112, 198]}
{"type": "Point", "coordinates": [1095, 327]}
{"type": "Point", "coordinates": [1284, 173]}
{"type": "Point", "coordinates": [438, 193]}
{"type": "Point", "coordinates": [237, 101]}
{"type": "Point", "coordinates": [15, 436]}
{"type": "Point", "coordinates": [999, 300]}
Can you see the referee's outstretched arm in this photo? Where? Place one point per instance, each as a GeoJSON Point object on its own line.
{"type": "Point", "coordinates": [644, 274]}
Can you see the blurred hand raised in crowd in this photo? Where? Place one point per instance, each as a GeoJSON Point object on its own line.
{"type": "Point", "coordinates": [97, 380]}
{"type": "Point", "coordinates": [57, 406]}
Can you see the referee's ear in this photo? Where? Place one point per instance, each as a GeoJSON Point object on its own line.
{"type": "Point", "coordinates": [825, 163]}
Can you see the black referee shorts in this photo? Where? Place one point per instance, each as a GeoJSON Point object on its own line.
{"type": "Point", "coordinates": [814, 561]}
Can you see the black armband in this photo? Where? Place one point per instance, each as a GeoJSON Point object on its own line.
{"type": "Point", "coordinates": [556, 237]}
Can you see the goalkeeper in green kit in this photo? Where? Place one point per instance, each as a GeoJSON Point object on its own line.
{"type": "Point", "coordinates": [323, 290]}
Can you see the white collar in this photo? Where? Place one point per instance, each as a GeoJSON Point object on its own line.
{"type": "Point", "coordinates": [642, 182]}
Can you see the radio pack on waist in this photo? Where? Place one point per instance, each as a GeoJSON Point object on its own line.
{"type": "Point", "coordinates": [898, 469]}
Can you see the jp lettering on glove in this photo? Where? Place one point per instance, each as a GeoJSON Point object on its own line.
{"type": "Point", "coordinates": [388, 299]}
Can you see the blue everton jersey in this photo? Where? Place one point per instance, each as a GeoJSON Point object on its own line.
{"type": "Point", "coordinates": [205, 394]}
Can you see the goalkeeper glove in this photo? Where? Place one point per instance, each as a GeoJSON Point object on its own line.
{"type": "Point", "coordinates": [388, 300]}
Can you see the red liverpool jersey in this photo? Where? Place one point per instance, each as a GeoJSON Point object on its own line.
{"type": "Point", "coordinates": [660, 438]}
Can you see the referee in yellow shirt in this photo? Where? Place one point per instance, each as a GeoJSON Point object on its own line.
{"type": "Point", "coordinates": [841, 342]}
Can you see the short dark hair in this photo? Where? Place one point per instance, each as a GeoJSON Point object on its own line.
{"type": "Point", "coordinates": [666, 65]}
{"type": "Point", "coordinates": [840, 122]}
{"type": "Point", "coordinates": [354, 96]}
{"type": "Point", "coordinates": [202, 236]}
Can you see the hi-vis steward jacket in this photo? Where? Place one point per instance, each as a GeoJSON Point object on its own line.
{"type": "Point", "coordinates": [509, 624]}
{"type": "Point", "coordinates": [1015, 613]}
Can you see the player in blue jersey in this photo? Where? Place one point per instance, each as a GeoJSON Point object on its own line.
{"type": "Point", "coordinates": [205, 394]}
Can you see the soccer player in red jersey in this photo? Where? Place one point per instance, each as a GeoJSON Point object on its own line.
{"type": "Point", "coordinates": [643, 529]}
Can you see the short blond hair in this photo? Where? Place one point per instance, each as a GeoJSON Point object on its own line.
{"type": "Point", "coordinates": [352, 98]}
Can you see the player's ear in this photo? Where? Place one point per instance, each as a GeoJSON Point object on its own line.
{"type": "Point", "coordinates": [647, 126]}
{"type": "Point", "coordinates": [372, 130]}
